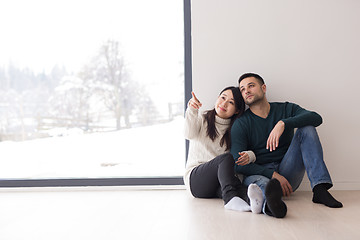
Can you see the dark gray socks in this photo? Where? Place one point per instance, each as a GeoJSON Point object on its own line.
{"type": "Point", "coordinates": [322, 196]}
{"type": "Point", "coordinates": [273, 193]}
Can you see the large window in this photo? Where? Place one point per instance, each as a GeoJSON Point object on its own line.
{"type": "Point", "coordinates": [92, 90]}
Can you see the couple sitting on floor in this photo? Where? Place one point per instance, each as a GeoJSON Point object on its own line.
{"type": "Point", "coordinates": [259, 144]}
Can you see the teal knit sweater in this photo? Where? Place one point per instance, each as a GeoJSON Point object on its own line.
{"type": "Point", "coordinates": [250, 132]}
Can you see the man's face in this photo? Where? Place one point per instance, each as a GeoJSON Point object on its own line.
{"type": "Point", "coordinates": [251, 90]}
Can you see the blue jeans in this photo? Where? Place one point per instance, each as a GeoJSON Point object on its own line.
{"type": "Point", "coordinates": [304, 153]}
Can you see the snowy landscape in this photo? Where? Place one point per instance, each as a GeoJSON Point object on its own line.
{"type": "Point", "coordinates": [124, 153]}
{"type": "Point", "coordinates": [98, 93]}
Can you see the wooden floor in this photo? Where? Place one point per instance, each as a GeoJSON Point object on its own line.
{"type": "Point", "coordinates": [118, 213]}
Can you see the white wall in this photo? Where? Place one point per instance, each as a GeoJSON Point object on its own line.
{"type": "Point", "coordinates": [308, 52]}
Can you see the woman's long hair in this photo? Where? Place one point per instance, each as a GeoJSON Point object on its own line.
{"type": "Point", "coordinates": [210, 118]}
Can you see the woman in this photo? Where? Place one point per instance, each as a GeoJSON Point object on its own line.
{"type": "Point", "coordinates": [210, 168]}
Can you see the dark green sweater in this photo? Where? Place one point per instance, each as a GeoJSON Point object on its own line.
{"type": "Point", "coordinates": [250, 132]}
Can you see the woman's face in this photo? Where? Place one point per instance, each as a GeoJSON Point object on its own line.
{"type": "Point", "coordinates": [225, 105]}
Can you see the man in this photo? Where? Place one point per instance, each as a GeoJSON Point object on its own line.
{"type": "Point", "coordinates": [281, 156]}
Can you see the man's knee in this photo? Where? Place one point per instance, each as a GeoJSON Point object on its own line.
{"type": "Point", "coordinates": [308, 131]}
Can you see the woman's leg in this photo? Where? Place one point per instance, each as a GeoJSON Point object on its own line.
{"type": "Point", "coordinates": [206, 179]}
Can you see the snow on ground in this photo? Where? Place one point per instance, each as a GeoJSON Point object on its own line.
{"type": "Point", "coordinates": [157, 150]}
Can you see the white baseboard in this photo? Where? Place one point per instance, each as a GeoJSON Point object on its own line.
{"type": "Point", "coordinates": [305, 186]}
{"type": "Point", "coordinates": [94, 188]}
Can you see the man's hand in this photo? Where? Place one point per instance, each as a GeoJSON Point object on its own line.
{"type": "Point", "coordinates": [273, 140]}
{"type": "Point", "coordinates": [243, 159]}
{"type": "Point", "coordinates": [285, 185]}
{"type": "Point", "coordinates": [194, 102]}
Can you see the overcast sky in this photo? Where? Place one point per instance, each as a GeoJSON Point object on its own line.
{"type": "Point", "coordinates": [40, 33]}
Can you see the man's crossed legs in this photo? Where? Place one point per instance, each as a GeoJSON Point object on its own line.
{"type": "Point", "coordinates": [304, 154]}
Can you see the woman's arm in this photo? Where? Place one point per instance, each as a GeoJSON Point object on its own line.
{"type": "Point", "coordinates": [193, 121]}
{"type": "Point", "coordinates": [246, 157]}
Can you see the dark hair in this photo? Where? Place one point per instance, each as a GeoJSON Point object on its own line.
{"type": "Point", "coordinates": [247, 75]}
{"type": "Point", "coordinates": [210, 118]}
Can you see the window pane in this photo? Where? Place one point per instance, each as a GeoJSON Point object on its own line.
{"type": "Point", "coordinates": [91, 89]}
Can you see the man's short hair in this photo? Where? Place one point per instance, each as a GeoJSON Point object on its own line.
{"type": "Point", "coordinates": [247, 75]}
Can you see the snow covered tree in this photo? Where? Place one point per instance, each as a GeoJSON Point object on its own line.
{"type": "Point", "coordinates": [107, 76]}
{"type": "Point", "coordinates": [71, 101]}
{"type": "Point", "coordinates": [102, 90]}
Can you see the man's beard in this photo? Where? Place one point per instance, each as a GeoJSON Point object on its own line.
{"type": "Point", "coordinates": [255, 100]}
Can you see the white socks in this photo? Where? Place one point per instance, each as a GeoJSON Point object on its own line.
{"type": "Point", "coordinates": [256, 198]}
{"type": "Point", "coordinates": [237, 204]}
{"type": "Point", "coordinates": [256, 201]}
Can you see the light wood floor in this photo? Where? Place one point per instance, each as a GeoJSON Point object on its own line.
{"type": "Point", "coordinates": [118, 213]}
